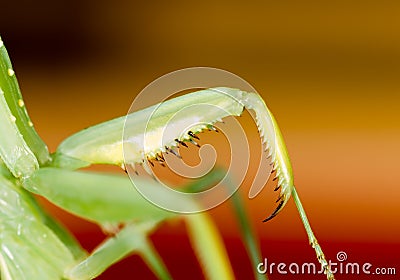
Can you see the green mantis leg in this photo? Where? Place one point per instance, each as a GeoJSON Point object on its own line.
{"type": "Point", "coordinates": [204, 237]}
{"type": "Point", "coordinates": [248, 236]}
{"type": "Point", "coordinates": [132, 238]}
{"type": "Point", "coordinates": [311, 236]}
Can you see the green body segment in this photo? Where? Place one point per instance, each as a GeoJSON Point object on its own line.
{"type": "Point", "coordinates": [145, 133]}
{"type": "Point", "coordinates": [12, 94]}
{"type": "Point", "coordinates": [14, 151]}
{"type": "Point", "coordinates": [101, 198]}
{"type": "Point", "coordinates": [28, 248]}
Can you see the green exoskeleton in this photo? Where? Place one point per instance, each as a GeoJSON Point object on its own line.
{"type": "Point", "coordinates": [27, 167]}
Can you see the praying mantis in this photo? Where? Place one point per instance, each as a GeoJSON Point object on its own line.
{"type": "Point", "coordinates": [34, 246]}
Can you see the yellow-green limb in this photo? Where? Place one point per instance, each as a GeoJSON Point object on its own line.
{"type": "Point", "coordinates": [153, 260]}
{"type": "Point", "coordinates": [245, 228]}
{"type": "Point", "coordinates": [311, 237]}
{"type": "Point", "coordinates": [248, 236]}
{"type": "Point", "coordinates": [209, 248]}
{"type": "Point", "coordinates": [131, 239]}
{"type": "Point", "coordinates": [247, 232]}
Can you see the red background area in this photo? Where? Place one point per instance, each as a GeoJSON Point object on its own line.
{"type": "Point", "coordinates": [328, 71]}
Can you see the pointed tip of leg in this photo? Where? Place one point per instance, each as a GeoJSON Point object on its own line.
{"type": "Point", "coordinates": [276, 211]}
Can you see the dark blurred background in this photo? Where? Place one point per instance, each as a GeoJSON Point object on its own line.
{"type": "Point", "coordinates": [328, 70]}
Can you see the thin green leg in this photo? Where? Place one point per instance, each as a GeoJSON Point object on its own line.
{"type": "Point", "coordinates": [130, 239]}
{"type": "Point", "coordinates": [153, 260]}
{"type": "Point", "coordinates": [311, 236]}
{"type": "Point", "coordinates": [209, 248]}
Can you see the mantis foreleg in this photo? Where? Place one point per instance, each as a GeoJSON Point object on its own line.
{"type": "Point", "coordinates": [145, 139]}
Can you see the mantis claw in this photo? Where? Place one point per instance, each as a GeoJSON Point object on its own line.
{"type": "Point", "coordinates": [276, 211]}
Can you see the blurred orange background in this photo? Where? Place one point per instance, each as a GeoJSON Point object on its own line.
{"type": "Point", "coordinates": [329, 71]}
